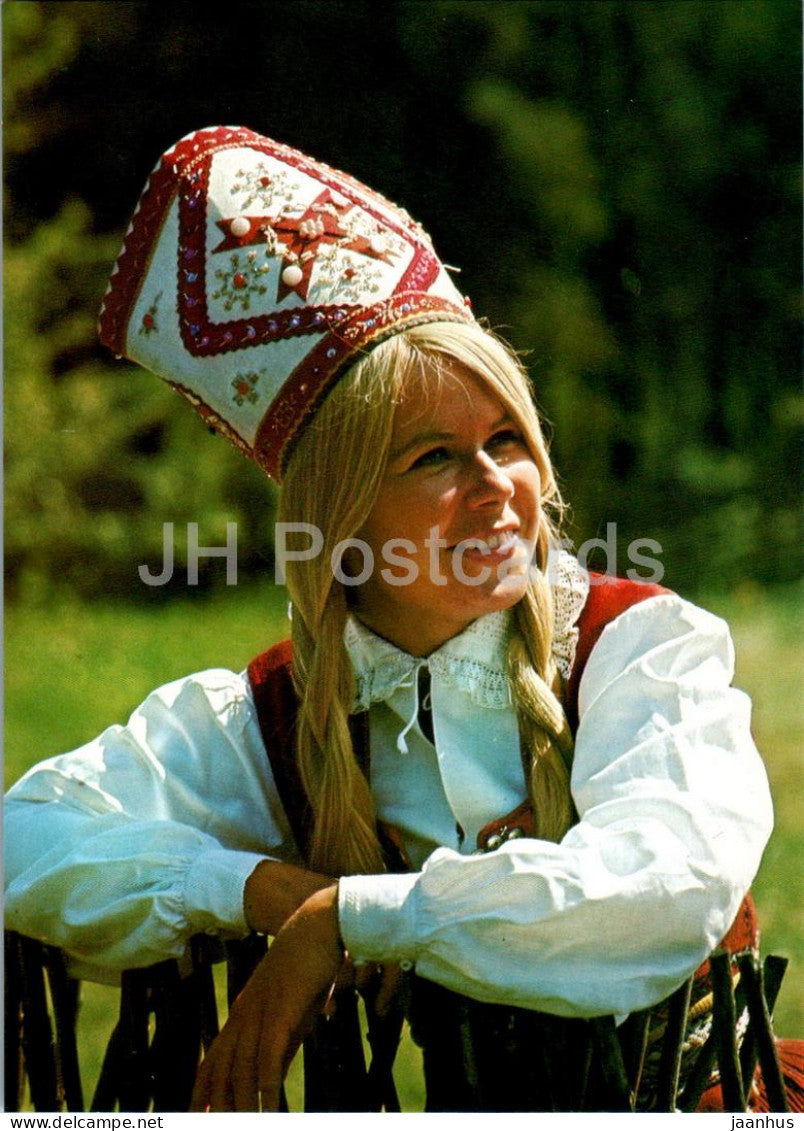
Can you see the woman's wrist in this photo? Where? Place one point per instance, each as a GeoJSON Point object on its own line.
{"type": "Point", "coordinates": [318, 919]}
{"type": "Point", "coordinates": [275, 890]}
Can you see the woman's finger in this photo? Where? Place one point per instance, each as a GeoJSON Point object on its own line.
{"type": "Point", "coordinates": [244, 1067]}
{"type": "Point", "coordinates": [221, 1093]}
{"type": "Point", "coordinates": [270, 1076]}
{"type": "Point", "coordinates": [211, 1091]}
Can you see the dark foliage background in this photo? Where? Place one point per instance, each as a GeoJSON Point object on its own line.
{"type": "Point", "coordinates": [618, 180]}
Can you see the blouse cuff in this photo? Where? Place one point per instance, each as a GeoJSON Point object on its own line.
{"type": "Point", "coordinates": [214, 890]}
{"type": "Point", "coordinates": [377, 920]}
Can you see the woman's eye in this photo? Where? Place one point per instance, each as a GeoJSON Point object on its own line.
{"type": "Point", "coordinates": [430, 458]}
{"type": "Point", "coordinates": [506, 437]}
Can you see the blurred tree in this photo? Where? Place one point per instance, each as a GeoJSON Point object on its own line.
{"type": "Point", "coordinates": [98, 457]}
{"type": "Point", "coordinates": [642, 182]}
{"type": "Point", "coordinates": [619, 182]}
{"type": "Point", "coordinates": [98, 460]}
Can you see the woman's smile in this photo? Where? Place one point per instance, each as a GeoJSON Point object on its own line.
{"type": "Point", "coordinates": [456, 518]}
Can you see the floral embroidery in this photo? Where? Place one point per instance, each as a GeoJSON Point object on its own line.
{"type": "Point", "coordinates": [363, 228]}
{"type": "Point", "coordinates": [148, 324]}
{"type": "Point", "coordinates": [289, 211]}
{"type": "Point", "coordinates": [242, 281]}
{"type": "Point", "coordinates": [269, 187]}
{"type": "Point", "coordinates": [325, 222]}
{"type": "Point", "coordinates": [341, 276]}
{"type": "Point", "coordinates": [244, 385]}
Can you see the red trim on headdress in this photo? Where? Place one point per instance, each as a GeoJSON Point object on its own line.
{"type": "Point", "coordinates": [313, 377]}
{"type": "Point", "coordinates": [185, 169]}
{"type": "Point", "coordinates": [344, 329]}
{"type": "Point", "coordinates": [146, 223]}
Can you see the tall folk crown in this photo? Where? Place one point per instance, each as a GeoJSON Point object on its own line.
{"type": "Point", "coordinates": [251, 276]}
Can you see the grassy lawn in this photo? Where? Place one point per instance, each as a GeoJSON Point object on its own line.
{"type": "Point", "coordinates": [768, 630]}
{"type": "Point", "coordinates": [72, 669]}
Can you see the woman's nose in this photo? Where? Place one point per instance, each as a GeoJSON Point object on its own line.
{"type": "Point", "coordinates": [490, 483]}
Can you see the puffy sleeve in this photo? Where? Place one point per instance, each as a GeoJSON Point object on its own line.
{"type": "Point", "coordinates": [674, 813]}
{"type": "Point", "coordinates": [121, 850]}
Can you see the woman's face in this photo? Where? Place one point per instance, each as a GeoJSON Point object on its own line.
{"type": "Point", "coordinates": [453, 531]}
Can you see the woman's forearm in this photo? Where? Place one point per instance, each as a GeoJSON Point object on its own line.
{"type": "Point", "coordinates": [275, 890]}
{"type": "Point", "coordinates": [245, 1065]}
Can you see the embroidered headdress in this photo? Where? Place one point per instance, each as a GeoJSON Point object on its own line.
{"type": "Point", "coordinates": [251, 276]}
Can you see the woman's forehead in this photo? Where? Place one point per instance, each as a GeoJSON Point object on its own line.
{"type": "Point", "coordinates": [449, 393]}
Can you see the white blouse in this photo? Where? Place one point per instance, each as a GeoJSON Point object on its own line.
{"type": "Point", "coordinates": [124, 848]}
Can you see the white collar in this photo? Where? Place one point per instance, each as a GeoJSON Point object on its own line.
{"type": "Point", "coordinates": [475, 661]}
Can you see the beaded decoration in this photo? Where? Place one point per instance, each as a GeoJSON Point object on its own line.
{"type": "Point", "coordinates": [245, 244]}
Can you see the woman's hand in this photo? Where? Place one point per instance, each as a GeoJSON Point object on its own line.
{"type": "Point", "coordinates": [247, 1062]}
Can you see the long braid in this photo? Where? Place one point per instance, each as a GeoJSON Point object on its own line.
{"type": "Point", "coordinates": [340, 449]}
{"type": "Point", "coordinates": [332, 482]}
{"type": "Point", "coordinates": [344, 837]}
{"type": "Point", "coordinates": [544, 730]}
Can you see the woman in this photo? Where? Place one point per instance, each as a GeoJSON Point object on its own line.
{"type": "Point", "coordinates": [437, 610]}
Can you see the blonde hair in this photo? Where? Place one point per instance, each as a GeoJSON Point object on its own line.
{"type": "Point", "coordinates": [332, 481]}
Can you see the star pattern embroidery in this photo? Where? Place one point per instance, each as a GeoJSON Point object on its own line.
{"type": "Point", "coordinates": [322, 223]}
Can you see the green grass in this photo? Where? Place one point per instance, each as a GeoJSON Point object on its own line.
{"type": "Point", "coordinates": [99, 661]}
{"type": "Point", "coordinates": [768, 630]}
{"type": "Point", "coordinates": [72, 669]}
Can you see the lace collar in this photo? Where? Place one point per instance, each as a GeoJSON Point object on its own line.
{"type": "Point", "coordinates": [473, 662]}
